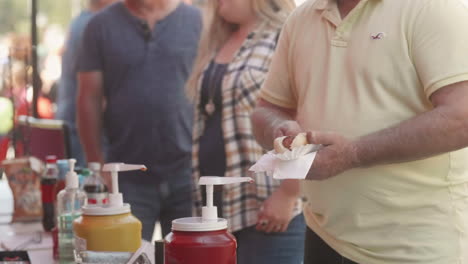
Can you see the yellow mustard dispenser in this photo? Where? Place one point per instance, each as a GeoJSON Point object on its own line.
{"type": "Point", "coordinates": [110, 227]}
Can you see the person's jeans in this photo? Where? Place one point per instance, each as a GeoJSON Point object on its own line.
{"type": "Point", "coordinates": [318, 252]}
{"type": "Point", "coordinates": [256, 247]}
{"type": "Point", "coordinates": [76, 149]}
{"type": "Point", "coordinates": [157, 202]}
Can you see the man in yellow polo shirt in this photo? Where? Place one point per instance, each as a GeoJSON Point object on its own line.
{"type": "Point", "coordinates": [383, 85]}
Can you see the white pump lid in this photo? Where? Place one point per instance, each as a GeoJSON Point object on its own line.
{"type": "Point", "coordinates": [209, 220]}
{"type": "Point", "coordinates": [116, 205]}
{"type": "Point", "coordinates": [71, 179]}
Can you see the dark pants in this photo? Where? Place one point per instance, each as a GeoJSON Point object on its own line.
{"type": "Point", "coordinates": [318, 252]}
{"type": "Point", "coordinates": [255, 247]}
{"type": "Point", "coordinates": [157, 202]}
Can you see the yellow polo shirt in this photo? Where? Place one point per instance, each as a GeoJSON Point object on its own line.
{"type": "Point", "coordinates": [374, 69]}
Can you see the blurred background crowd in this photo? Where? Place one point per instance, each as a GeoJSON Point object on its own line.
{"type": "Point", "coordinates": [53, 25]}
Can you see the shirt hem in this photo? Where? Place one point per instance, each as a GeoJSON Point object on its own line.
{"type": "Point", "coordinates": [347, 252]}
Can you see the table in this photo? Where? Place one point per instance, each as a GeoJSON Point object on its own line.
{"type": "Point", "coordinates": [12, 235]}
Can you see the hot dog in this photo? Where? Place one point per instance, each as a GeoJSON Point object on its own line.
{"type": "Point", "coordinates": [282, 144]}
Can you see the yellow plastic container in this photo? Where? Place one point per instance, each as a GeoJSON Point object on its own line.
{"type": "Point", "coordinates": [110, 227]}
{"type": "Point", "coordinates": [115, 233]}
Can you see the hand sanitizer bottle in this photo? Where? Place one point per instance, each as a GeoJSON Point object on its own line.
{"type": "Point", "coordinates": [69, 203]}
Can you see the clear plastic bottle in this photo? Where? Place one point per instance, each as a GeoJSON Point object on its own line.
{"type": "Point", "coordinates": [69, 203]}
{"type": "Point", "coordinates": [48, 186]}
{"type": "Point", "coordinates": [94, 186]}
{"type": "Point", "coordinates": [83, 175]}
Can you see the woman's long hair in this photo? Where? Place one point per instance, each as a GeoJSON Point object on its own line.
{"type": "Point", "coordinates": [216, 31]}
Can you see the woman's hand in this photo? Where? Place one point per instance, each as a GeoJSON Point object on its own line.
{"type": "Point", "coordinates": [276, 212]}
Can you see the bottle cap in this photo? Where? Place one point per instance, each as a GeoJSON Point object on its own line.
{"type": "Point", "coordinates": [94, 166]}
{"type": "Point", "coordinates": [209, 220]}
{"type": "Point", "coordinates": [51, 159]}
{"type": "Point", "coordinates": [116, 204]}
{"type": "Point", "coordinates": [85, 172]}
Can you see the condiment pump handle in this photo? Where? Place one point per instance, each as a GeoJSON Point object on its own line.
{"type": "Point", "coordinates": [115, 198]}
{"type": "Point", "coordinates": [210, 212]}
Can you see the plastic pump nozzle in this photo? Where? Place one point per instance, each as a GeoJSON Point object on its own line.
{"type": "Point", "coordinates": [115, 198]}
{"type": "Point", "coordinates": [210, 212]}
{"type": "Point", "coordinates": [71, 179]}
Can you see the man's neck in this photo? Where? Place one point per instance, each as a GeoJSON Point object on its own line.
{"type": "Point", "coordinates": [151, 13]}
{"type": "Point", "coordinates": [95, 7]}
{"type": "Point", "coordinates": [345, 6]}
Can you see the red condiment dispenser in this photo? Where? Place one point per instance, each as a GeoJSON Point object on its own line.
{"type": "Point", "coordinates": [203, 240]}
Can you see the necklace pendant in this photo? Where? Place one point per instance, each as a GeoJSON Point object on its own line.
{"type": "Point", "coordinates": [210, 108]}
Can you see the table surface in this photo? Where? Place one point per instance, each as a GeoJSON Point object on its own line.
{"type": "Point", "coordinates": [13, 235]}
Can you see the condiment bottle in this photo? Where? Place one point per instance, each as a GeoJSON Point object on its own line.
{"type": "Point", "coordinates": [48, 186]}
{"type": "Point", "coordinates": [203, 240]}
{"type": "Point", "coordinates": [94, 186]}
{"type": "Point", "coordinates": [109, 227]}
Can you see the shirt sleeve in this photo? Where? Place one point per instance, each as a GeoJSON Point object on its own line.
{"type": "Point", "coordinates": [439, 44]}
{"type": "Point", "coordinates": [277, 88]}
{"type": "Point", "coordinates": [90, 52]}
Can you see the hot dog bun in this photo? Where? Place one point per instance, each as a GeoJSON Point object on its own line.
{"type": "Point", "coordinates": [278, 145]}
{"type": "Point", "coordinates": [299, 140]}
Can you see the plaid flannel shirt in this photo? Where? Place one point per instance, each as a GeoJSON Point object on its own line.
{"type": "Point", "coordinates": [240, 87]}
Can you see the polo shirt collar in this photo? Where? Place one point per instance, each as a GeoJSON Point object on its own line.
{"type": "Point", "coordinates": [323, 4]}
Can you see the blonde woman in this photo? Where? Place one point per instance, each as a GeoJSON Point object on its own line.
{"type": "Point", "coordinates": [235, 51]}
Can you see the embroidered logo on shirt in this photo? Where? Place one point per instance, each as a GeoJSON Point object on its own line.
{"type": "Point", "coordinates": [379, 35]}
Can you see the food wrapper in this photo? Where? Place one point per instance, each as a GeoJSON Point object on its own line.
{"type": "Point", "coordinates": [24, 179]}
{"type": "Point", "coordinates": [292, 164]}
{"type": "Point", "coordinates": [144, 255]}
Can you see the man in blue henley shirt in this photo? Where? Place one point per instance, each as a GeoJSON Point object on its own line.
{"type": "Point", "coordinates": [135, 58]}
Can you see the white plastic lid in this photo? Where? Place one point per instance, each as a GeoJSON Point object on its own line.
{"type": "Point", "coordinates": [106, 210]}
{"type": "Point", "coordinates": [71, 179]}
{"type": "Point", "coordinates": [197, 224]}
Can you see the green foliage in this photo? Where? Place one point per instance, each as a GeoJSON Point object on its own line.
{"type": "Point", "coordinates": [12, 14]}
{"type": "Point", "coordinates": [15, 14]}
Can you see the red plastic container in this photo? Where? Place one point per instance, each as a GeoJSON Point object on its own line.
{"type": "Point", "coordinates": [203, 240]}
{"type": "Point", "coordinates": [211, 247]}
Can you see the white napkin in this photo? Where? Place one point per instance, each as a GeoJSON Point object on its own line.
{"type": "Point", "coordinates": [293, 164]}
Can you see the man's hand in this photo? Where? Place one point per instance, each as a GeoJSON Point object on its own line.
{"type": "Point", "coordinates": [270, 121]}
{"type": "Point", "coordinates": [337, 155]}
{"type": "Point", "coordinates": [286, 128]}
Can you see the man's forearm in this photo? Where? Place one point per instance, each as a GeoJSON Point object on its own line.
{"type": "Point", "coordinates": [441, 130]}
{"type": "Point", "coordinates": [90, 128]}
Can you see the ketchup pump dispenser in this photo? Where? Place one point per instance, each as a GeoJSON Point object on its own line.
{"type": "Point", "coordinates": [203, 240]}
